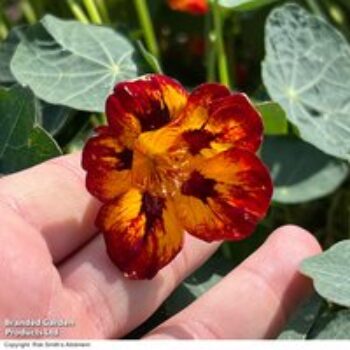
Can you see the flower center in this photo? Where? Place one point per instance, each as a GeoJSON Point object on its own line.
{"type": "Point", "coordinates": [154, 168]}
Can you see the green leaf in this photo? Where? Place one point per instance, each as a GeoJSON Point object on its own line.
{"type": "Point", "coordinates": [303, 319]}
{"type": "Point", "coordinates": [73, 64]}
{"type": "Point", "coordinates": [330, 273]}
{"type": "Point", "coordinates": [22, 142]}
{"type": "Point", "coordinates": [244, 5]}
{"type": "Point", "coordinates": [335, 325]}
{"type": "Point", "coordinates": [53, 117]}
{"type": "Point", "coordinates": [300, 171]}
{"type": "Point", "coordinates": [7, 50]}
{"type": "Point", "coordinates": [307, 71]}
{"type": "Point", "coordinates": [274, 118]}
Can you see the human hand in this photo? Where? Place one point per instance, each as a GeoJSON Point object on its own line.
{"type": "Point", "coordinates": [53, 265]}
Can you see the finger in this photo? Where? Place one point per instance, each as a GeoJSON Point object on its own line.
{"type": "Point", "coordinates": [53, 199]}
{"type": "Point", "coordinates": [111, 305]}
{"type": "Point", "coordinates": [253, 301]}
{"type": "Point", "coordinates": [27, 274]}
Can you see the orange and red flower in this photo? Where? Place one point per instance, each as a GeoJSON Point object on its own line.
{"type": "Point", "coordinates": [170, 162]}
{"type": "Point", "coordinates": [194, 7]}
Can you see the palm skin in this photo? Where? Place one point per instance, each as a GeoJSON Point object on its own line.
{"type": "Point", "coordinates": [53, 265]}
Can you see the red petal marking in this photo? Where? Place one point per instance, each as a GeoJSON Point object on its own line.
{"type": "Point", "coordinates": [225, 197]}
{"type": "Point", "coordinates": [122, 123]}
{"type": "Point", "coordinates": [198, 186]}
{"type": "Point", "coordinates": [235, 122]}
{"type": "Point", "coordinates": [243, 181]}
{"type": "Point", "coordinates": [141, 232]}
{"type": "Point", "coordinates": [192, 136]}
{"type": "Point", "coordinates": [145, 104]}
{"type": "Point", "coordinates": [223, 122]}
{"type": "Point", "coordinates": [152, 207]}
{"type": "Point", "coordinates": [143, 99]}
{"type": "Point", "coordinates": [108, 166]}
{"type": "Point", "coordinates": [198, 140]}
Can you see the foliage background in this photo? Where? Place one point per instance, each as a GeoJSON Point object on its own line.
{"type": "Point", "coordinates": [55, 114]}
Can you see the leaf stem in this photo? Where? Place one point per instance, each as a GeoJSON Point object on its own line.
{"type": "Point", "coordinates": [3, 30]}
{"type": "Point", "coordinates": [315, 7]}
{"type": "Point", "coordinates": [147, 27]}
{"type": "Point", "coordinates": [220, 48]}
{"type": "Point", "coordinates": [3, 27]}
{"type": "Point", "coordinates": [102, 7]}
{"type": "Point", "coordinates": [92, 11]}
{"type": "Point", "coordinates": [210, 53]}
{"type": "Point", "coordinates": [38, 7]}
{"type": "Point", "coordinates": [78, 11]}
{"type": "Point", "coordinates": [28, 11]}
{"type": "Point", "coordinates": [338, 15]}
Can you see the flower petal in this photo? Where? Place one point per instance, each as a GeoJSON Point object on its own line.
{"type": "Point", "coordinates": [108, 166]}
{"type": "Point", "coordinates": [144, 104]}
{"type": "Point", "coordinates": [223, 123]}
{"type": "Point", "coordinates": [225, 196]}
{"type": "Point", "coordinates": [195, 7]}
{"type": "Point", "coordinates": [141, 232]}
{"type": "Point", "coordinates": [196, 112]}
{"type": "Point", "coordinates": [235, 122]}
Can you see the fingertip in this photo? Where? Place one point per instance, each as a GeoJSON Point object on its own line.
{"type": "Point", "coordinates": [288, 246]}
{"type": "Point", "coordinates": [256, 299]}
{"type": "Point", "coordinates": [294, 240]}
{"type": "Point", "coordinates": [278, 263]}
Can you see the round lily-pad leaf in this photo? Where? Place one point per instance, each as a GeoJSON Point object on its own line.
{"type": "Point", "coordinates": [244, 5]}
{"type": "Point", "coordinates": [300, 171]}
{"type": "Point", "coordinates": [7, 49]}
{"type": "Point", "coordinates": [301, 322]}
{"type": "Point", "coordinates": [73, 64]}
{"type": "Point", "coordinates": [307, 70]}
{"type": "Point", "coordinates": [330, 273]}
{"type": "Point", "coordinates": [334, 325]}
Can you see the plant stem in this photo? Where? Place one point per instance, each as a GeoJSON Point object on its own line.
{"type": "Point", "coordinates": [77, 11]}
{"type": "Point", "coordinates": [220, 48]}
{"type": "Point", "coordinates": [210, 59]}
{"type": "Point", "coordinates": [38, 7]}
{"type": "Point", "coordinates": [92, 11]}
{"type": "Point", "coordinates": [102, 7]}
{"type": "Point", "coordinates": [98, 119]}
{"type": "Point", "coordinates": [338, 15]}
{"type": "Point", "coordinates": [3, 27]}
{"type": "Point", "coordinates": [147, 27]}
{"type": "Point", "coordinates": [315, 7]}
{"type": "Point", "coordinates": [103, 118]}
{"type": "Point", "coordinates": [3, 30]}
{"type": "Point", "coordinates": [28, 11]}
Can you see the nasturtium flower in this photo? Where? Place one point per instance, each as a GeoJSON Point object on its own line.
{"type": "Point", "coordinates": [170, 161]}
{"type": "Point", "coordinates": [194, 7]}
